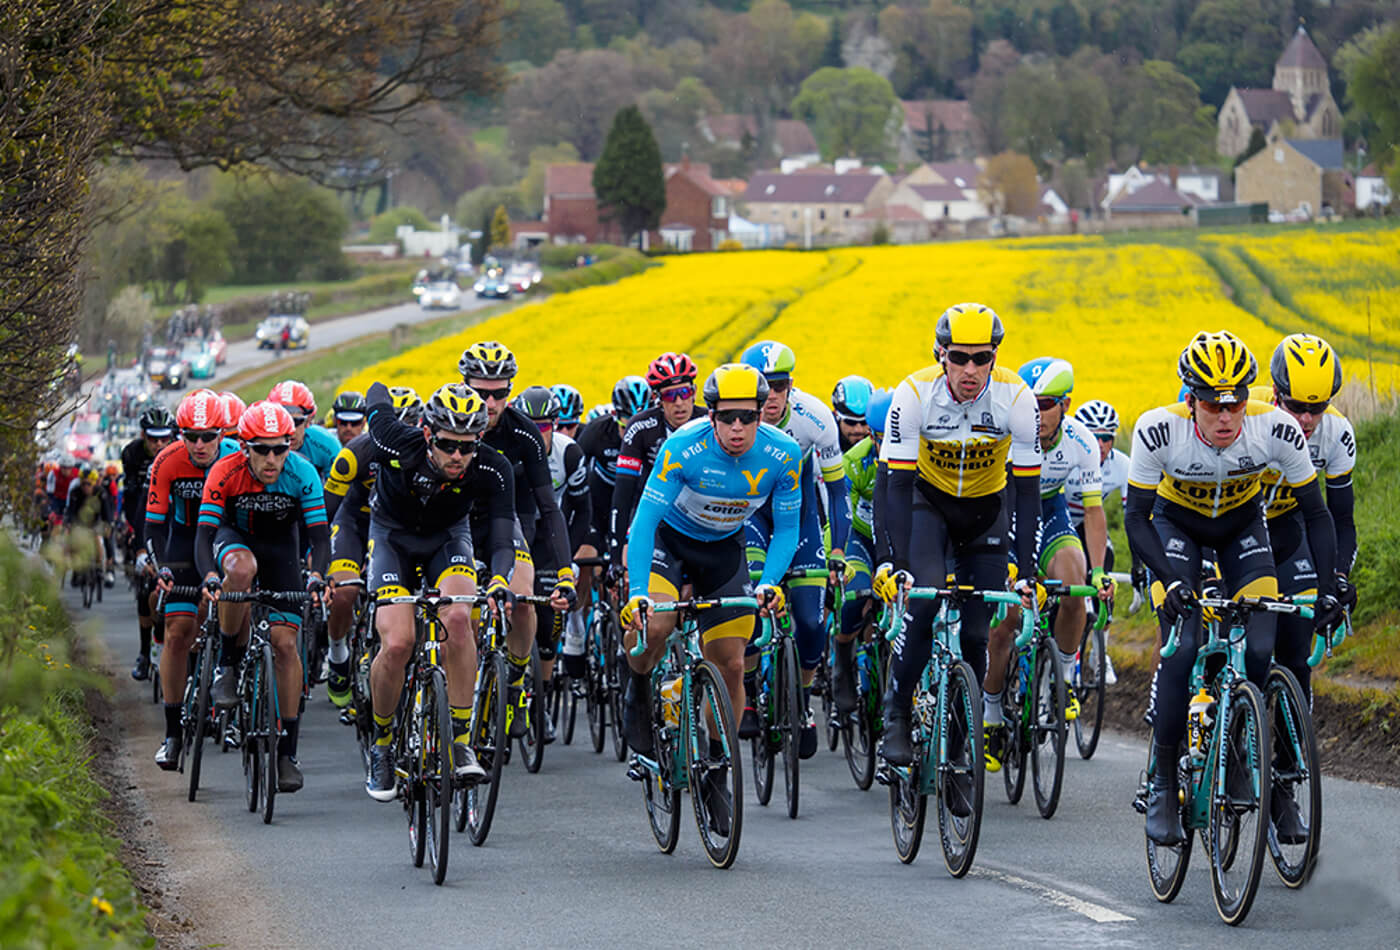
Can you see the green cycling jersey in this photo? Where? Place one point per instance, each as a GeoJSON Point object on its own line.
{"type": "Point", "coordinates": [861, 462]}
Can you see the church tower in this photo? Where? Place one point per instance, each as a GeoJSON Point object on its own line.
{"type": "Point", "coordinates": [1301, 72]}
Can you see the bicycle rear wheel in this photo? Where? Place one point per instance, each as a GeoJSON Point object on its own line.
{"type": "Point", "coordinates": [1297, 774]}
{"type": "Point", "coordinates": [660, 791]}
{"type": "Point", "coordinates": [435, 728]}
{"type": "Point", "coordinates": [248, 715]}
{"type": "Point", "coordinates": [908, 810]}
{"type": "Point", "coordinates": [532, 743]}
{"type": "Point", "coordinates": [596, 695]}
{"type": "Point", "coordinates": [1047, 729]}
{"type": "Point", "coordinates": [1089, 675]}
{"type": "Point", "coordinates": [1166, 864]}
{"type": "Point", "coordinates": [961, 770]}
{"type": "Point", "coordinates": [858, 740]}
{"type": "Point", "coordinates": [492, 742]}
{"type": "Point", "coordinates": [791, 718]}
{"type": "Point", "coordinates": [713, 777]}
{"type": "Point", "coordinates": [271, 723]}
{"type": "Point", "coordinates": [362, 658]}
{"type": "Point", "coordinates": [201, 716]}
{"type": "Point", "coordinates": [1239, 811]}
{"type": "Point", "coordinates": [761, 755]}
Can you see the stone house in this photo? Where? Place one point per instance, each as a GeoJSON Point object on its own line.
{"type": "Point", "coordinates": [1296, 176]}
{"type": "Point", "coordinates": [817, 204]}
{"type": "Point", "coordinates": [1298, 106]}
{"type": "Point", "coordinates": [940, 130]}
{"type": "Point", "coordinates": [943, 192]}
{"type": "Point", "coordinates": [1155, 205]}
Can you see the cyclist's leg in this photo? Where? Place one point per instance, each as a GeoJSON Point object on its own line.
{"type": "Point", "coordinates": [179, 637]}
{"type": "Point", "coordinates": [928, 562]}
{"type": "Point", "coordinates": [1296, 575]}
{"type": "Point", "coordinates": [546, 576]}
{"type": "Point", "coordinates": [522, 618]}
{"type": "Point", "coordinates": [1062, 559]}
{"type": "Point", "coordinates": [854, 621]}
{"type": "Point", "coordinates": [347, 553]}
{"type": "Point", "coordinates": [1247, 566]}
{"type": "Point", "coordinates": [805, 596]}
{"type": "Point", "coordinates": [453, 572]}
{"type": "Point", "coordinates": [389, 567]}
{"type": "Point", "coordinates": [1171, 684]}
{"type": "Point", "coordinates": [279, 567]}
{"type": "Point", "coordinates": [721, 569]}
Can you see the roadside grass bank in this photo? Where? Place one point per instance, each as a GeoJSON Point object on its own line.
{"type": "Point", "coordinates": [61, 882]}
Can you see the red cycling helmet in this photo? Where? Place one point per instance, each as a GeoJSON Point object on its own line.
{"type": "Point", "coordinates": [201, 409]}
{"type": "Point", "coordinates": [265, 419]}
{"type": "Point", "coordinates": [671, 368]}
{"type": "Point", "coordinates": [233, 407]}
{"type": "Point", "coordinates": [293, 394]}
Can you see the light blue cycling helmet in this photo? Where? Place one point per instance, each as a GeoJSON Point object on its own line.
{"type": "Point", "coordinates": [773, 359]}
{"type": "Point", "coordinates": [851, 398]}
{"type": "Point", "coordinates": [570, 403]}
{"type": "Point", "coordinates": [877, 411]}
{"type": "Point", "coordinates": [1048, 376]}
{"type": "Point", "coordinates": [630, 396]}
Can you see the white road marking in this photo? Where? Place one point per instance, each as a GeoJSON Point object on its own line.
{"type": "Point", "coordinates": [1095, 912]}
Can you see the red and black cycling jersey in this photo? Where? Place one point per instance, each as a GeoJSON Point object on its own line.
{"type": "Point", "coordinates": [412, 495]}
{"type": "Point", "coordinates": [234, 496]}
{"type": "Point", "coordinates": [517, 437]}
{"type": "Point", "coordinates": [174, 489]}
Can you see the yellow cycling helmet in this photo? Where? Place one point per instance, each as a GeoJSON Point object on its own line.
{"type": "Point", "coordinates": [456, 408]}
{"type": "Point", "coordinates": [1217, 367]}
{"type": "Point", "coordinates": [1305, 368]}
{"type": "Point", "coordinates": [408, 405]}
{"type": "Point", "coordinates": [487, 360]}
{"type": "Point", "coordinates": [968, 324]}
{"type": "Point", "coordinates": [735, 381]}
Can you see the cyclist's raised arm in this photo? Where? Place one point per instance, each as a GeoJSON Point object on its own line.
{"type": "Point", "coordinates": [1025, 473]}
{"type": "Point", "coordinates": [397, 439]}
{"type": "Point", "coordinates": [498, 489]}
{"type": "Point", "coordinates": [787, 523]}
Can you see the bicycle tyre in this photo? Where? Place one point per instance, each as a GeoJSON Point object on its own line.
{"type": "Point", "coordinates": [415, 807]}
{"type": "Point", "coordinates": [707, 689]}
{"type": "Point", "coordinates": [270, 731]}
{"type": "Point", "coordinates": [618, 672]}
{"type": "Point", "coordinates": [1167, 864]}
{"type": "Point", "coordinates": [962, 725]}
{"type": "Point", "coordinates": [858, 741]}
{"type": "Point", "coordinates": [1089, 687]}
{"type": "Point", "coordinates": [437, 775]}
{"type": "Point", "coordinates": [763, 768]}
{"type": "Point", "coordinates": [86, 585]}
{"type": "Point", "coordinates": [205, 680]}
{"type": "Point", "coordinates": [791, 719]}
{"type": "Point", "coordinates": [189, 701]}
{"type": "Point", "coordinates": [1243, 750]}
{"type": "Point", "coordinates": [1047, 730]}
{"type": "Point", "coordinates": [493, 743]}
{"type": "Point", "coordinates": [532, 743]}
{"type": "Point", "coordinates": [156, 690]}
{"type": "Point", "coordinates": [248, 741]}
{"type": "Point", "coordinates": [908, 811]}
{"type": "Point", "coordinates": [1013, 714]}
{"type": "Point", "coordinates": [98, 584]}
{"type": "Point", "coordinates": [1291, 723]}
{"type": "Point", "coordinates": [660, 791]}
{"type": "Point", "coordinates": [359, 689]}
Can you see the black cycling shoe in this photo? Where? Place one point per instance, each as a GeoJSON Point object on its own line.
{"type": "Point", "coordinates": [379, 783]}
{"type": "Point", "coordinates": [636, 718]}
{"type": "Point", "coordinates": [224, 693]}
{"type": "Point", "coordinates": [142, 669]}
{"type": "Point", "coordinates": [714, 789]}
{"type": "Point", "coordinates": [843, 679]}
{"type": "Point", "coordinates": [289, 777]}
{"type": "Point", "coordinates": [519, 711]}
{"type": "Point", "coordinates": [168, 755]}
{"type": "Point", "coordinates": [1163, 805]}
{"type": "Point", "coordinates": [897, 746]}
{"type": "Point", "coordinates": [465, 768]}
{"type": "Point", "coordinates": [749, 726]}
{"type": "Point", "coordinates": [807, 739]}
{"type": "Point", "coordinates": [1284, 814]}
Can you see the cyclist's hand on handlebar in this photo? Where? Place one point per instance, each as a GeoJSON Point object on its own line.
{"type": "Point", "coordinates": [316, 587]}
{"type": "Point", "coordinates": [1099, 578]}
{"type": "Point", "coordinates": [165, 580]}
{"type": "Point", "coordinates": [563, 597]}
{"type": "Point", "coordinates": [772, 602]}
{"type": "Point", "coordinates": [1327, 613]}
{"type": "Point", "coordinates": [633, 610]}
{"type": "Point", "coordinates": [887, 581]}
{"type": "Point", "coordinates": [498, 590]}
{"type": "Point", "coordinates": [1345, 592]}
{"type": "Point", "coordinates": [839, 571]}
{"type": "Point", "coordinates": [1179, 601]}
{"type": "Point", "coordinates": [212, 586]}
{"type": "Point", "coordinates": [1032, 593]}
{"type": "Point", "coordinates": [616, 576]}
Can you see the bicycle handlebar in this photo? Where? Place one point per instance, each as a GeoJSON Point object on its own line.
{"type": "Point", "coordinates": [1300, 605]}
{"type": "Point", "coordinates": [675, 606]}
{"type": "Point", "coordinates": [1028, 617]}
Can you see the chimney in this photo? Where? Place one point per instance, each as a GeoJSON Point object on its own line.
{"type": "Point", "coordinates": [1172, 173]}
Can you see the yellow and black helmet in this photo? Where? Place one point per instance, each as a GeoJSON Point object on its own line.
{"type": "Point", "coordinates": [735, 381]}
{"type": "Point", "coordinates": [968, 324]}
{"type": "Point", "coordinates": [487, 360]}
{"type": "Point", "coordinates": [408, 405]}
{"type": "Point", "coordinates": [456, 408]}
{"type": "Point", "coordinates": [1305, 368]}
{"type": "Point", "coordinates": [1217, 367]}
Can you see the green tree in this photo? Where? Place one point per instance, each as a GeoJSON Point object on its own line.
{"type": "Point", "coordinates": [1257, 144]}
{"type": "Point", "coordinates": [534, 30]}
{"type": "Point", "coordinates": [674, 114]}
{"type": "Point", "coordinates": [628, 178]}
{"type": "Point", "coordinates": [1230, 43]}
{"type": "Point", "coordinates": [197, 255]}
{"type": "Point", "coordinates": [1373, 84]}
{"type": "Point", "coordinates": [832, 54]}
{"type": "Point", "coordinates": [1166, 118]}
{"type": "Point", "coordinates": [286, 229]}
{"type": "Point", "coordinates": [500, 228]}
{"type": "Point", "coordinates": [383, 228]}
{"type": "Point", "coordinates": [478, 204]}
{"type": "Point", "coordinates": [852, 112]}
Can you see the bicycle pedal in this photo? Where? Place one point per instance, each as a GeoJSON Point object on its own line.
{"type": "Point", "coordinates": [884, 774]}
{"type": "Point", "coordinates": [636, 773]}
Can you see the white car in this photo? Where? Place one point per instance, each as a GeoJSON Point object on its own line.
{"type": "Point", "coordinates": [444, 294]}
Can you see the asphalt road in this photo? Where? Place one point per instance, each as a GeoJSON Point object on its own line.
{"type": "Point", "coordinates": [570, 860]}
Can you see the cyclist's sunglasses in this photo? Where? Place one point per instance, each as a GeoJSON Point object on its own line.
{"type": "Point", "coordinates": [297, 419]}
{"type": "Point", "coordinates": [1215, 408]}
{"type": "Point", "coordinates": [201, 435]}
{"type": "Point", "coordinates": [962, 357]}
{"type": "Point", "coordinates": [677, 392]}
{"type": "Point", "coordinates": [779, 385]}
{"type": "Point", "coordinates": [1046, 403]}
{"type": "Point", "coordinates": [1105, 437]}
{"type": "Point", "coordinates": [500, 393]}
{"type": "Point", "coordinates": [265, 448]}
{"type": "Point", "coordinates": [728, 417]}
{"type": "Point", "coordinates": [544, 425]}
{"type": "Point", "coordinates": [463, 447]}
{"type": "Point", "coordinates": [1299, 408]}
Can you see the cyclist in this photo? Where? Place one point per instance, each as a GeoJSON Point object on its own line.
{"type": "Point", "coordinates": [689, 528]}
{"type": "Point", "coordinates": [849, 401]}
{"type": "Point", "coordinates": [251, 501]}
{"type": "Point", "coordinates": [488, 368]}
{"type": "Point", "coordinates": [810, 423]}
{"type": "Point", "coordinates": [1193, 483]}
{"type": "Point", "coordinates": [861, 462]}
{"type": "Point", "coordinates": [172, 511]}
{"type": "Point", "coordinates": [312, 442]}
{"type": "Point", "coordinates": [90, 510]}
{"type": "Point", "coordinates": [348, 415]}
{"type": "Point", "coordinates": [347, 495]}
{"type": "Point", "coordinates": [431, 477]}
{"type": "Point", "coordinates": [570, 409]}
{"type": "Point", "coordinates": [952, 427]}
{"type": "Point", "coordinates": [157, 426]}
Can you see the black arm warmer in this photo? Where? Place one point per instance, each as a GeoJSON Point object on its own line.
{"type": "Point", "coordinates": [1027, 506]}
{"type": "Point", "coordinates": [1142, 539]}
{"type": "Point", "coordinates": [502, 555]}
{"type": "Point", "coordinates": [320, 538]}
{"type": "Point", "coordinates": [624, 498]}
{"type": "Point", "coordinates": [204, 550]}
{"type": "Point", "coordinates": [1341, 501]}
{"type": "Point", "coordinates": [898, 514]}
{"type": "Point", "coordinates": [883, 553]}
{"type": "Point", "coordinates": [1322, 538]}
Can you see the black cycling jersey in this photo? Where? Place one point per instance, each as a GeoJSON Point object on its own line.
{"type": "Point", "coordinates": [517, 437]}
{"type": "Point", "coordinates": [352, 473]}
{"type": "Point", "coordinates": [640, 443]}
{"type": "Point", "coordinates": [601, 442]}
{"type": "Point", "coordinates": [411, 495]}
{"type": "Point", "coordinates": [136, 470]}
{"type": "Point", "coordinates": [88, 510]}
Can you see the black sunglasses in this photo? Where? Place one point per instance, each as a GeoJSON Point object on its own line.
{"type": "Point", "coordinates": [1299, 408]}
{"type": "Point", "coordinates": [192, 435]}
{"type": "Point", "coordinates": [779, 385]}
{"type": "Point", "coordinates": [728, 417]}
{"type": "Point", "coordinates": [1105, 437]}
{"type": "Point", "coordinates": [962, 357]}
{"type": "Point", "coordinates": [498, 394]}
{"type": "Point", "coordinates": [454, 446]}
{"type": "Point", "coordinates": [1046, 403]}
{"type": "Point", "coordinates": [263, 448]}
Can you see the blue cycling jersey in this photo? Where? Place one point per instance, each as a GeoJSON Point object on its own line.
{"type": "Point", "coordinates": [320, 447]}
{"type": "Point", "coordinates": [707, 494]}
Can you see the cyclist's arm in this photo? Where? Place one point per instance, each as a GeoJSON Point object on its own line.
{"type": "Point", "coordinates": [313, 517]}
{"type": "Point", "coordinates": [631, 476]}
{"type": "Point", "coordinates": [394, 438]}
{"type": "Point", "coordinates": [1341, 502]}
{"type": "Point", "coordinates": [883, 552]}
{"type": "Point", "coordinates": [787, 524]}
{"type": "Point", "coordinates": [157, 509]}
{"type": "Point", "coordinates": [657, 497]}
{"type": "Point", "coordinates": [1025, 475]}
{"type": "Point", "coordinates": [578, 500]}
{"type": "Point", "coordinates": [1322, 538]}
{"type": "Point", "coordinates": [1088, 485]}
{"type": "Point", "coordinates": [827, 456]}
{"type": "Point", "coordinates": [498, 478]}
{"type": "Point", "coordinates": [132, 498]}
{"type": "Point", "coordinates": [551, 519]}
{"type": "Point", "coordinates": [211, 513]}
{"type": "Point", "coordinates": [344, 468]}
{"type": "Point", "coordinates": [899, 457]}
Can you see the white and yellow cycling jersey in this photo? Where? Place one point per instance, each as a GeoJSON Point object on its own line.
{"type": "Point", "coordinates": [1332, 448]}
{"type": "Point", "coordinates": [1074, 453]}
{"type": "Point", "coordinates": [961, 448]}
{"type": "Point", "coordinates": [1171, 457]}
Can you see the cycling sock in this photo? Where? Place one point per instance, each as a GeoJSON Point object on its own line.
{"type": "Point", "coordinates": [172, 720]}
{"type": "Point", "coordinates": [517, 668]}
{"type": "Point", "coordinates": [383, 729]}
{"type": "Point", "coordinates": [1066, 663]}
{"type": "Point", "coordinates": [230, 653]}
{"type": "Point", "coordinates": [806, 698]}
{"type": "Point", "coordinates": [641, 684]}
{"type": "Point", "coordinates": [750, 685]}
{"type": "Point", "coordinates": [146, 642]}
{"type": "Point", "coordinates": [991, 708]}
{"type": "Point", "coordinates": [461, 721]}
{"type": "Point", "coordinates": [287, 742]}
{"type": "Point", "coordinates": [341, 668]}
{"type": "Point", "coordinates": [339, 651]}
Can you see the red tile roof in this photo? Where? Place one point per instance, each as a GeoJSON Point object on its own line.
{"type": "Point", "coordinates": [794, 138]}
{"type": "Point", "coordinates": [574, 179]}
{"type": "Point", "coordinates": [700, 175]}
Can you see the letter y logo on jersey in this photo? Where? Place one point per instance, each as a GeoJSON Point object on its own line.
{"type": "Point", "coordinates": [753, 479]}
{"type": "Point", "coordinates": [667, 466]}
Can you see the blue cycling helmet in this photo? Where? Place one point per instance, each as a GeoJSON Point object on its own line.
{"type": "Point", "coordinates": [851, 398]}
{"type": "Point", "coordinates": [773, 359]}
{"type": "Point", "coordinates": [1048, 376]}
{"type": "Point", "coordinates": [570, 403]}
{"type": "Point", "coordinates": [630, 396]}
{"type": "Point", "coordinates": [877, 411]}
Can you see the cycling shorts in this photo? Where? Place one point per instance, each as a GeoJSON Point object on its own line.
{"type": "Point", "coordinates": [279, 565]}
{"type": "Point", "coordinates": [479, 541]}
{"type": "Point", "coordinates": [179, 558]}
{"type": "Point", "coordinates": [398, 560]}
{"type": "Point", "coordinates": [714, 569]}
{"type": "Point", "coordinates": [1056, 530]}
{"type": "Point", "coordinates": [348, 533]}
{"type": "Point", "coordinates": [859, 557]}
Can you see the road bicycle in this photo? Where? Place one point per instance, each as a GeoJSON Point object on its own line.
{"type": "Point", "coordinates": [198, 718]}
{"type": "Point", "coordinates": [604, 679]}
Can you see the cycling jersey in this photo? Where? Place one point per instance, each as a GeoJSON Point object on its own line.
{"type": "Point", "coordinates": [351, 467]}
{"type": "Point", "coordinates": [569, 477]}
{"type": "Point", "coordinates": [136, 470]}
{"type": "Point", "coordinates": [176, 487]}
{"type": "Point", "coordinates": [517, 438]}
{"type": "Point", "coordinates": [811, 425]}
{"type": "Point", "coordinates": [1074, 456]}
{"type": "Point", "coordinates": [88, 510]}
{"type": "Point", "coordinates": [319, 447]}
{"type": "Point", "coordinates": [234, 497]}
{"type": "Point", "coordinates": [1113, 475]}
{"type": "Point", "coordinates": [601, 442]}
{"type": "Point", "coordinates": [640, 442]}
{"type": "Point", "coordinates": [861, 463]}
{"type": "Point", "coordinates": [706, 494]}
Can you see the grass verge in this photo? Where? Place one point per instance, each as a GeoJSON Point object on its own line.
{"type": "Point", "coordinates": [61, 883]}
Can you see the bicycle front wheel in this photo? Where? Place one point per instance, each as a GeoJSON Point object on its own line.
{"type": "Point", "coordinates": [204, 680]}
{"type": "Point", "coordinates": [1166, 864]}
{"type": "Point", "coordinates": [1089, 675]}
{"type": "Point", "coordinates": [435, 726]}
{"type": "Point", "coordinates": [961, 770]}
{"type": "Point", "coordinates": [660, 790]}
{"type": "Point", "coordinates": [268, 729]}
{"type": "Point", "coordinates": [858, 740]}
{"type": "Point", "coordinates": [491, 741]}
{"type": "Point", "coordinates": [532, 743]}
{"type": "Point", "coordinates": [791, 717]}
{"type": "Point", "coordinates": [716, 777]}
{"type": "Point", "coordinates": [1239, 810]}
{"type": "Point", "coordinates": [596, 694]}
{"type": "Point", "coordinates": [1047, 729]}
{"type": "Point", "coordinates": [1297, 778]}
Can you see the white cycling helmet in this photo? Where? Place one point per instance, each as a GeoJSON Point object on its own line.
{"type": "Point", "coordinates": [1097, 416]}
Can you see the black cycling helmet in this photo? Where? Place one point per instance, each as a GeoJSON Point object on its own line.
{"type": "Point", "coordinates": [455, 407]}
{"type": "Point", "coordinates": [349, 406]}
{"type": "Point", "coordinates": [157, 422]}
{"type": "Point", "coordinates": [538, 402]}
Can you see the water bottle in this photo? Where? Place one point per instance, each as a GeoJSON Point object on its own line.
{"type": "Point", "coordinates": [1199, 721]}
{"type": "Point", "coordinates": [671, 701]}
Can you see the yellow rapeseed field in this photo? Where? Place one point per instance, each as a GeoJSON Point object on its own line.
{"type": "Point", "coordinates": [1119, 312]}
